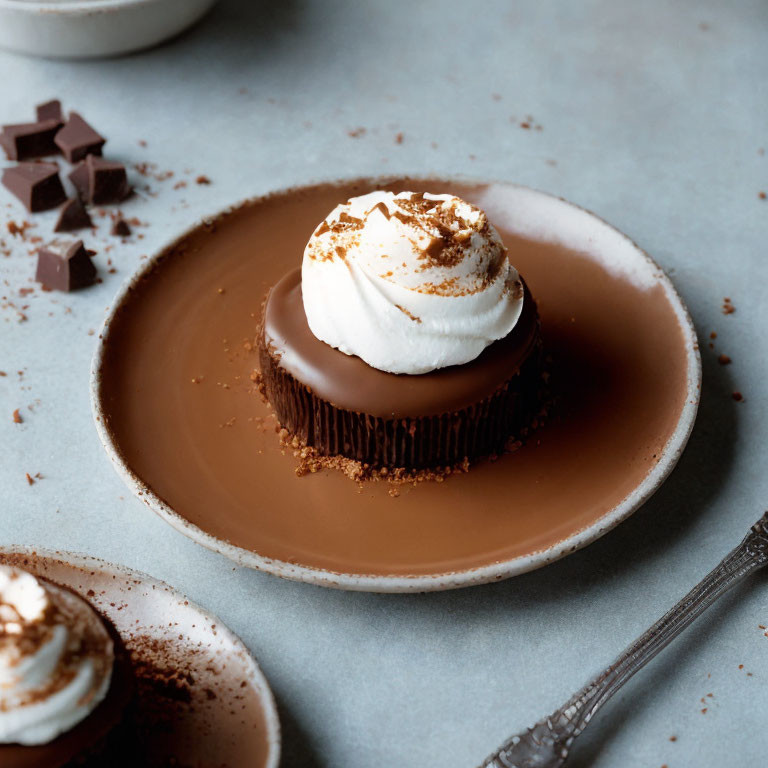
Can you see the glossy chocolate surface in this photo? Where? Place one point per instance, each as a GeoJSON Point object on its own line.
{"type": "Point", "coordinates": [349, 383]}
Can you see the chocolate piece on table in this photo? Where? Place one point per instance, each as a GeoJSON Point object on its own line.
{"type": "Point", "coordinates": [51, 110]}
{"type": "Point", "coordinates": [78, 140]}
{"type": "Point", "coordinates": [107, 181]}
{"type": "Point", "coordinates": [23, 141]}
{"type": "Point", "coordinates": [37, 185]}
{"type": "Point", "coordinates": [73, 216]}
{"type": "Point", "coordinates": [79, 178]}
{"type": "Point", "coordinates": [120, 227]}
{"type": "Point", "coordinates": [65, 265]}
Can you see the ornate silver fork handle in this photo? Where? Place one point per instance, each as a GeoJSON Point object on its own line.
{"type": "Point", "coordinates": [547, 744]}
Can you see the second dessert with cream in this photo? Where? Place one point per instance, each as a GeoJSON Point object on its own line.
{"type": "Point", "coordinates": [408, 339]}
{"type": "Point", "coordinates": [56, 668]}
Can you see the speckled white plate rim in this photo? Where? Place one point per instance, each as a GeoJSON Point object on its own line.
{"type": "Point", "coordinates": [258, 680]}
{"type": "Point", "coordinates": [425, 582]}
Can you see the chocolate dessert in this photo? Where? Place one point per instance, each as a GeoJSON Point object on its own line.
{"type": "Point", "coordinates": [65, 679]}
{"type": "Point", "coordinates": [193, 430]}
{"type": "Point", "coordinates": [408, 340]}
{"type": "Point", "coordinates": [192, 699]}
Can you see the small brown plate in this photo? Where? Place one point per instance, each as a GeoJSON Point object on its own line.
{"type": "Point", "coordinates": [202, 699]}
{"type": "Point", "coordinates": [178, 414]}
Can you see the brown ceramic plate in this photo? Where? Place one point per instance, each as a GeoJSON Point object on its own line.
{"type": "Point", "coordinates": [202, 699]}
{"type": "Point", "coordinates": [176, 409]}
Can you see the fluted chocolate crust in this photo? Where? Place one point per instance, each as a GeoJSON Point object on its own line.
{"type": "Point", "coordinates": [439, 438]}
{"type": "Point", "coordinates": [412, 442]}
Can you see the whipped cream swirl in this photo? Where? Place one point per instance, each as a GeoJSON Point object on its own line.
{"type": "Point", "coordinates": [56, 659]}
{"type": "Point", "coordinates": [409, 282]}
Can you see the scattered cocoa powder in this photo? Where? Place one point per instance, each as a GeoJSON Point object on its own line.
{"type": "Point", "coordinates": [18, 230]}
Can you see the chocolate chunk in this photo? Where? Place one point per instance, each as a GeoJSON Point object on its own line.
{"type": "Point", "coordinates": [120, 227]}
{"type": "Point", "coordinates": [78, 140]}
{"type": "Point", "coordinates": [65, 266]}
{"type": "Point", "coordinates": [100, 181]}
{"type": "Point", "coordinates": [28, 140]}
{"type": "Point", "coordinates": [51, 110]}
{"type": "Point", "coordinates": [73, 216]}
{"type": "Point", "coordinates": [37, 185]}
{"type": "Point", "coordinates": [107, 181]}
{"type": "Point", "coordinates": [79, 177]}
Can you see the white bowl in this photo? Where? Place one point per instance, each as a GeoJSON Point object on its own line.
{"type": "Point", "coordinates": [82, 29]}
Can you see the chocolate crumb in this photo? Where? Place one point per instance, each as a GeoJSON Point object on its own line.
{"type": "Point", "coordinates": [738, 397]}
{"type": "Point", "coordinates": [713, 335]}
{"type": "Point", "coordinates": [673, 738]}
{"type": "Point", "coordinates": [17, 417]}
{"type": "Point", "coordinates": [120, 227]}
{"type": "Point", "coordinates": [30, 479]}
{"type": "Point", "coordinates": [724, 360]}
{"type": "Point", "coordinates": [18, 230]}
{"type": "Point", "coordinates": [202, 180]}
{"type": "Point", "coordinates": [762, 195]}
{"type": "Point", "coordinates": [399, 138]}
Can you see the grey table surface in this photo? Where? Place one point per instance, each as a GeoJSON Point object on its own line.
{"type": "Point", "coordinates": [652, 114]}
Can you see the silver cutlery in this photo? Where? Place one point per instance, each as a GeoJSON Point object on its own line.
{"type": "Point", "coordinates": [547, 744]}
